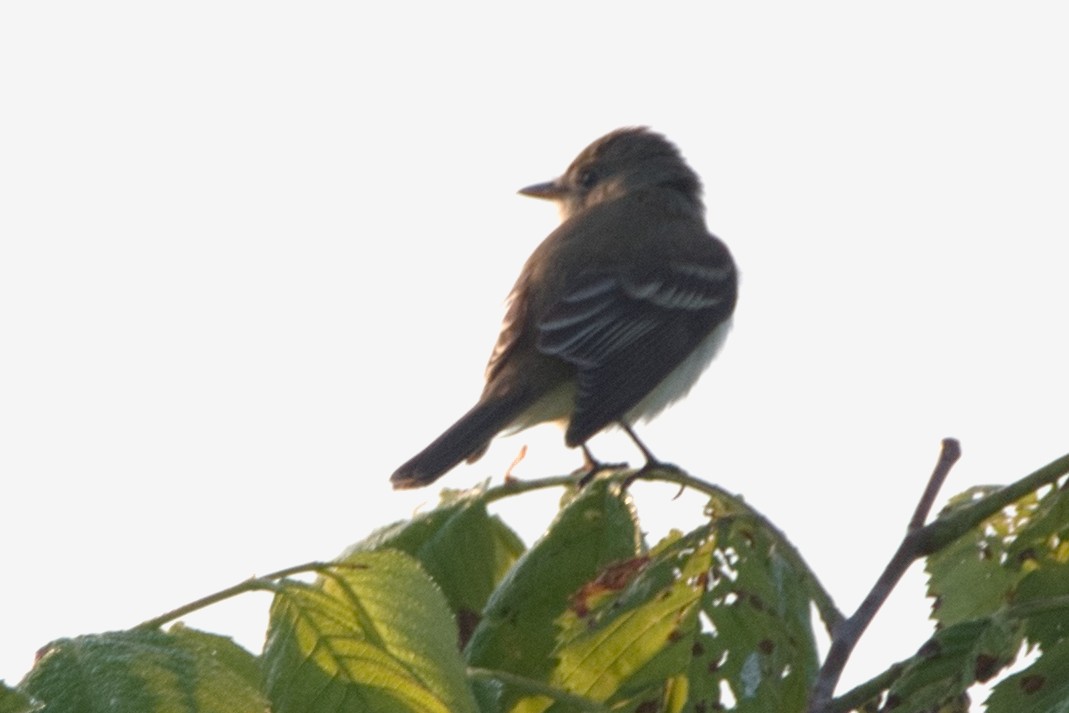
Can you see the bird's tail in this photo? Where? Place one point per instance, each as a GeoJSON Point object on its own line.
{"type": "Point", "coordinates": [466, 439]}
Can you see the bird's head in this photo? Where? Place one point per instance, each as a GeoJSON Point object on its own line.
{"type": "Point", "coordinates": [617, 164]}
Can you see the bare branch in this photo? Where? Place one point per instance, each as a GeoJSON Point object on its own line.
{"type": "Point", "coordinates": [920, 541]}
{"type": "Point", "coordinates": [948, 456]}
{"type": "Point", "coordinates": [847, 635]}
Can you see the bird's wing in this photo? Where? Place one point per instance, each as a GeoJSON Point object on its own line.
{"type": "Point", "coordinates": [626, 331]}
{"type": "Point", "coordinates": [512, 330]}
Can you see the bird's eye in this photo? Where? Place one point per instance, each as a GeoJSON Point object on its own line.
{"type": "Point", "coordinates": [587, 178]}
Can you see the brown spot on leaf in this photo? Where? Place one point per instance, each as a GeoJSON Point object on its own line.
{"type": "Point", "coordinates": [985, 667]}
{"type": "Point", "coordinates": [617, 576]}
{"type": "Point", "coordinates": [611, 579]}
{"type": "Point", "coordinates": [697, 649]}
{"type": "Point", "coordinates": [1031, 684]}
{"type": "Point", "coordinates": [766, 646]}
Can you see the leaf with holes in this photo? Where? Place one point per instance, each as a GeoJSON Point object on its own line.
{"type": "Point", "coordinates": [953, 660]}
{"type": "Point", "coordinates": [1043, 687]}
{"type": "Point", "coordinates": [626, 639]}
{"type": "Point", "coordinates": [762, 652]}
{"type": "Point", "coordinates": [968, 579]}
{"type": "Point", "coordinates": [1044, 538]}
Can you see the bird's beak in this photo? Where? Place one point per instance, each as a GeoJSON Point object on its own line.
{"type": "Point", "coordinates": [550, 190]}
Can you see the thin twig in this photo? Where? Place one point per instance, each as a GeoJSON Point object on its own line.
{"type": "Point", "coordinates": [515, 486]}
{"type": "Point", "coordinates": [940, 533]}
{"type": "Point", "coordinates": [847, 635]}
{"type": "Point", "coordinates": [948, 456]}
{"type": "Point", "coordinates": [252, 584]}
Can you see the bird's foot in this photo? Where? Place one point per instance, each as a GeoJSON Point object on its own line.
{"type": "Point", "coordinates": [650, 467]}
{"type": "Point", "coordinates": [592, 466]}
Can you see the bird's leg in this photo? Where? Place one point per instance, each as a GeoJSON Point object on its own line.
{"type": "Point", "coordinates": [509, 477]}
{"type": "Point", "coordinates": [651, 460]}
{"type": "Point", "coordinates": [592, 466]}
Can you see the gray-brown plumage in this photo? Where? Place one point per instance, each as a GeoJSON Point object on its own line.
{"type": "Point", "coordinates": [615, 314]}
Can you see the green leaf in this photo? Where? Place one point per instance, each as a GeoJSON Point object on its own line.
{"type": "Point", "coordinates": [762, 646]}
{"type": "Point", "coordinates": [518, 633]}
{"type": "Point", "coordinates": [488, 695]}
{"type": "Point", "coordinates": [465, 550]}
{"type": "Point", "coordinates": [952, 661]}
{"type": "Point", "coordinates": [12, 701]}
{"type": "Point", "coordinates": [1043, 687]}
{"type": "Point", "coordinates": [1042, 596]}
{"type": "Point", "coordinates": [717, 609]}
{"type": "Point", "coordinates": [968, 579]}
{"type": "Point", "coordinates": [143, 671]}
{"type": "Point", "coordinates": [630, 630]}
{"type": "Point", "coordinates": [703, 676]}
{"type": "Point", "coordinates": [1044, 538]}
{"type": "Point", "coordinates": [376, 635]}
{"type": "Point", "coordinates": [222, 650]}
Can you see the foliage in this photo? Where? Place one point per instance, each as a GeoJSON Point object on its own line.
{"type": "Point", "coordinates": [450, 612]}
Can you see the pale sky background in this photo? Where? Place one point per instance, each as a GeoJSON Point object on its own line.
{"type": "Point", "coordinates": [253, 255]}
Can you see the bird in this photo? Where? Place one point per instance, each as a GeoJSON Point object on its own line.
{"type": "Point", "coordinates": [613, 317]}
